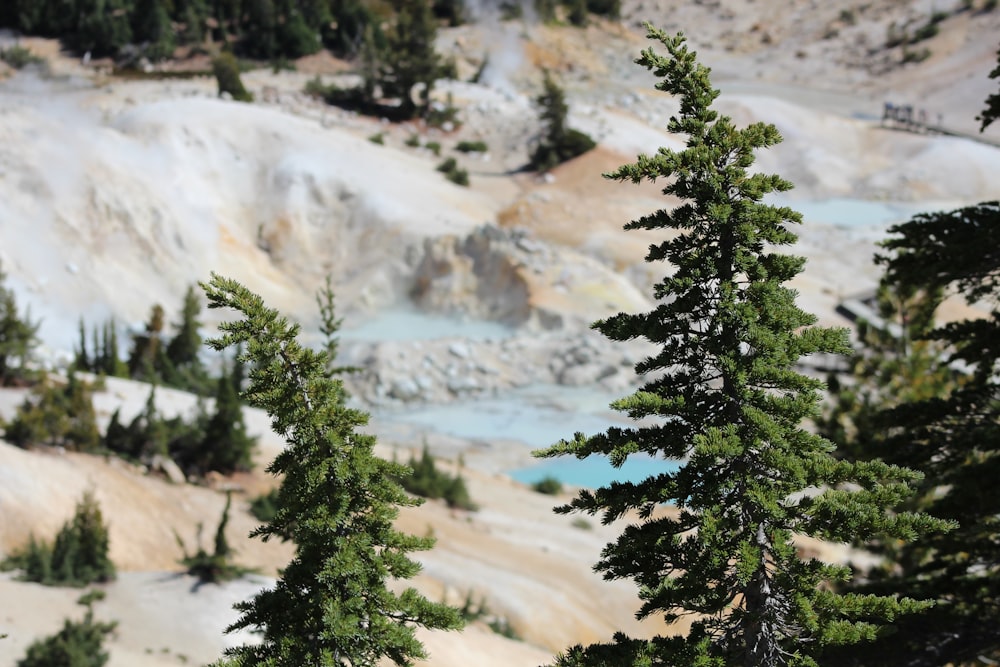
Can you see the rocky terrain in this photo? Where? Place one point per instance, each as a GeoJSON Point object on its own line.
{"type": "Point", "coordinates": [117, 194]}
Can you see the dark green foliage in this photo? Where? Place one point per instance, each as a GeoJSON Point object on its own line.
{"type": "Point", "coordinates": [427, 481]}
{"type": "Point", "coordinates": [148, 358]}
{"type": "Point", "coordinates": [58, 415]}
{"type": "Point", "coordinates": [610, 8]}
{"type": "Point", "coordinates": [101, 356]}
{"type": "Point", "coordinates": [337, 503]}
{"type": "Point", "coordinates": [953, 437]}
{"type": "Point", "coordinates": [992, 110]}
{"type": "Point", "coordinates": [724, 398]}
{"type": "Point", "coordinates": [472, 147]}
{"type": "Point", "coordinates": [151, 27]}
{"type": "Point", "coordinates": [207, 442]}
{"type": "Point", "coordinates": [449, 167]}
{"type": "Point", "coordinates": [452, 11]}
{"type": "Point", "coordinates": [182, 351]}
{"type": "Point", "coordinates": [409, 65]}
{"type": "Point", "coordinates": [577, 12]}
{"type": "Point", "coordinates": [329, 326]}
{"type": "Point", "coordinates": [79, 555]}
{"type": "Point", "coordinates": [227, 75]}
{"type": "Point", "coordinates": [104, 27]}
{"type": "Point", "coordinates": [77, 644]}
{"type": "Point", "coordinates": [215, 567]}
{"type": "Point", "coordinates": [18, 337]}
{"type": "Point", "coordinates": [226, 447]}
{"type": "Point", "coordinates": [352, 19]}
{"type": "Point", "coordinates": [894, 365]}
{"type": "Point", "coordinates": [157, 359]}
{"type": "Point", "coordinates": [559, 143]}
{"type": "Point", "coordinates": [548, 485]}
{"type": "Point", "coordinates": [265, 506]}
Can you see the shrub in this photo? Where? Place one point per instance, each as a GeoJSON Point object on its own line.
{"type": "Point", "coordinates": [433, 147]}
{"type": "Point", "coordinates": [57, 415]}
{"type": "Point", "coordinates": [78, 644]}
{"type": "Point", "coordinates": [427, 481]}
{"type": "Point", "coordinates": [548, 485]}
{"type": "Point", "coordinates": [78, 557]}
{"type": "Point", "coordinates": [559, 143]}
{"type": "Point", "coordinates": [377, 138]}
{"type": "Point", "coordinates": [453, 172]}
{"type": "Point", "coordinates": [18, 338]}
{"type": "Point", "coordinates": [227, 74]}
{"type": "Point", "coordinates": [413, 141]}
{"type": "Point", "coordinates": [926, 31]}
{"type": "Point", "coordinates": [19, 57]}
{"type": "Point", "coordinates": [264, 506]}
{"type": "Point", "coordinates": [916, 55]}
{"type": "Point", "coordinates": [472, 147]}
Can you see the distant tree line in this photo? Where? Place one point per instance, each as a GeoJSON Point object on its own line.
{"type": "Point", "coordinates": [263, 29]}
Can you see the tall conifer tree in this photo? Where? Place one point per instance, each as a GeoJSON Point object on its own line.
{"type": "Point", "coordinates": [724, 398]}
{"type": "Point", "coordinates": [337, 503]}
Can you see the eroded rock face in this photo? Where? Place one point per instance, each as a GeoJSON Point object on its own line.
{"type": "Point", "coordinates": [480, 275]}
{"type": "Point", "coordinates": [506, 275]}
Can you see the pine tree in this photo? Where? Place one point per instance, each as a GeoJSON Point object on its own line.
{"type": "Point", "coordinates": [79, 555]}
{"type": "Point", "coordinates": [894, 365]}
{"type": "Point", "coordinates": [992, 110]}
{"type": "Point", "coordinates": [560, 142]}
{"type": "Point", "coordinates": [151, 26]}
{"type": "Point", "coordinates": [954, 439]}
{"type": "Point", "coordinates": [725, 400]}
{"type": "Point", "coordinates": [56, 415]}
{"type": "Point", "coordinates": [226, 447]}
{"type": "Point", "coordinates": [337, 503]}
{"type": "Point", "coordinates": [81, 360]}
{"type": "Point", "coordinates": [77, 644]}
{"type": "Point", "coordinates": [18, 336]}
{"type": "Point", "coordinates": [410, 59]}
{"type": "Point", "coordinates": [184, 369]}
{"type": "Point", "coordinates": [146, 359]}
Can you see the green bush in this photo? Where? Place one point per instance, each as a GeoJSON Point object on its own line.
{"type": "Point", "coordinates": [472, 147]}
{"type": "Point", "coordinates": [433, 147]}
{"type": "Point", "coordinates": [453, 172]}
{"type": "Point", "coordinates": [77, 644]}
{"type": "Point", "coordinates": [264, 506]}
{"type": "Point", "coordinates": [413, 141]}
{"type": "Point", "coordinates": [429, 482]}
{"type": "Point", "coordinates": [377, 138]}
{"type": "Point", "coordinates": [78, 557]}
{"type": "Point", "coordinates": [227, 75]}
{"type": "Point", "coordinates": [548, 485]}
{"type": "Point", "coordinates": [18, 338]}
{"type": "Point", "coordinates": [926, 31]}
{"type": "Point", "coordinates": [559, 143]}
{"type": "Point", "coordinates": [19, 57]}
{"type": "Point", "coordinates": [58, 416]}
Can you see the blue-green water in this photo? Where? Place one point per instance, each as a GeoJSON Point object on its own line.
{"type": "Point", "coordinates": [538, 417]}
{"type": "Point", "coordinates": [593, 471]}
